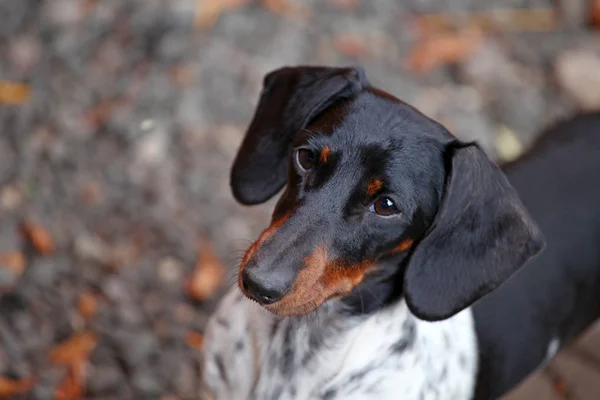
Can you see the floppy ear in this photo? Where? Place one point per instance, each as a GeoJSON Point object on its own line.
{"type": "Point", "coordinates": [290, 99]}
{"type": "Point", "coordinates": [481, 235]}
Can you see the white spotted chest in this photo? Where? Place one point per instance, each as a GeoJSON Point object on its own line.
{"type": "Point", "coordinates": [252, 354]}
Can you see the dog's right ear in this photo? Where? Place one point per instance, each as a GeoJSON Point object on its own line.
{"type": "Point", "coordinates": [290, 99]}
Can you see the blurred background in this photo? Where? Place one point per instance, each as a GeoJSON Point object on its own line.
{"type": "Point", "coordinates": [119, 120]}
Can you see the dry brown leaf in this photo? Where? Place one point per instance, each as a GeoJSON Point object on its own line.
{"type": "Point", "coordinates": [350, 45]}
{"type": "Point", "coordinates": [182, 75]}
{"type": "Point", "coordinates": [90, 193]}
{"type": "Point", "coordinates": [13, 261]}
{"type": "Point", "coordinates": [38, 236]}
{"type": "Point", "coordinates": [287, 7]}
{"type": "Point", "coordinates": [195, 340]}
{"type": "Point", "coordinates": [432, 52]}
{"type": "Point", "coordinates": [208, 11]}
{"type": "Point", "coordinates": [72, 386]}
{"type": "Point", "coordinates": [14, 92]}
{"type": "Point", "coordinates": [208, 273]}
{"type": "Point", "coordinates": [87, 305]}
{"type": "Point", "coordinates": [595, 14]}
{"type": "Point", "coordinates": [100, 113]}
{"type": "Point", "coordinates": [12, 387]}
{"type": "Point", "coordinates": [75, 349]}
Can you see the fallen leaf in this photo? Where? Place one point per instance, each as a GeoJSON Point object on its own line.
{"type": "Point", "coordinates": [497, 20]}
{"type": "Point", "coordinates": [100, 113]}
{"type": "Point", "coordinates": [72, 386]}
{"type": "Point", "coordinates": [75, 349]}
{"type": "Point", "coordinates": [350, 45]}
{"type": "Point", "coordinates": [432, 52]}
{"type": "Point", "coordinates": [595, 14]}
{"type": "Point", "coordinates": [38, 236]}
{"type": "Point", "coordinates": [14, 93]}
{"type": "Point", "coordinates": [13, 261]}
{"type": "Point", "coordinates": [286, 7]}
{"type": "Point", "coordinates": [12, 387]}
{"type": "Point", "coordinates": [87, 305]}
{"type": "Point", "coordinates": [90, 193]}
{"type": "Point", "coordinates": [195, 340]}
{"type": "Point", "coordinates": [182, 75]}
{"type": "Point", "coordinates": [208, 11]}
{"type": "Point", "coordinates": [560, 387]}
{"type": "Point", "coordinates": [508, 146]}
{"type": "Point", "coordinates": [208, 273]}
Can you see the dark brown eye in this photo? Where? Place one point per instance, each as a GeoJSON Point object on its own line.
{"type": "Point", "coordinates": [305, 159]}
{"type": "Point", "coordinates": [384, 206]}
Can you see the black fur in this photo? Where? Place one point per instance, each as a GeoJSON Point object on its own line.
{"type": "Point", "coordinates": [471, 231]}
{"type": "Point", "coordinates": [557, 294]}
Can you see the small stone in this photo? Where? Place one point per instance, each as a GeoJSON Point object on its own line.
{"type": "Point", "coordinates": [169, 270]}
{"type": "Point", "coordinates": [184, 313]}
{"type": "Point", "coordinates": [103, 380]}
{"type": "Point", "coordinates": [146, 384]}
{"type": "Point", "coordinates": [578, 73]}
{"type": "Point", "coordinates": [65, 12]}
{"type": "Point", "coordinates": [11, 198]}
{"type": "Point", "coordinates": [186, 380]}
{"type": "Point", "coordinates": [147, 124]}
{"type": "Point", "coordinates": [508, 146]}
{"type": "Point", "coordinates": [91, 248]}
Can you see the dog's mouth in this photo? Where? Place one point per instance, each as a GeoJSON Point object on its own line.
{"type": "Point", "coordinates": [320, 280]}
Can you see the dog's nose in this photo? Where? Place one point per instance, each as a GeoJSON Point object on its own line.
{"type": "Point", "coordinates": [258, 288]}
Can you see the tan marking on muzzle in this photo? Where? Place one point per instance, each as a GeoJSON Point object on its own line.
{"type": "Point", "coordinates": [404, 245]}
{"type": "Point", "coordinates": [320, 280]}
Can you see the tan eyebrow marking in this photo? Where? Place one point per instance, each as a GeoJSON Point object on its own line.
{"type": "Point", "coordinates": [374, 186]}
{"type": "Point", "coordinates": [325, 152]}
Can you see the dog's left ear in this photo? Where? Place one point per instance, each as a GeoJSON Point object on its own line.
{"type": "Point", "coordinates": [481, 235]}
{"type": "Point", "coordinates": [291, 98]}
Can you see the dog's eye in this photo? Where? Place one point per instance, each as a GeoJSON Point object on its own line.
{"type": "Point", "coordinates": [384, 206]}
{"type": "Point", "coordinates": [305, 159]}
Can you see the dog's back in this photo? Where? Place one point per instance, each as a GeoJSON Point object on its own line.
{"type": "Point", "coordinates": [557, 294]}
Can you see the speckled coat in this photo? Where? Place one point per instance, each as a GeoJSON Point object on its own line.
{"type": "Point", "coordinates": [252, 354]}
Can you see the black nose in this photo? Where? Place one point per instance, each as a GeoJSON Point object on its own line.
{"type": "Point", "coordinates": [259, 289]}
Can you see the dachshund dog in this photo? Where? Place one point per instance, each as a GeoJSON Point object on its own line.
{"type": "Point", "coordinates": [400, 263]}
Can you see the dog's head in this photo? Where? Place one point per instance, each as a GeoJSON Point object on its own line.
{"type": "Point", "coordinates": [379, 201]}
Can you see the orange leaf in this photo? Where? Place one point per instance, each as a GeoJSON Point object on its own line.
{"type": "Point", "coordinates": [432, 52]}
{"type": "Point", "coordinates": [13, 92]}
{"type": "Point", "coordinates": [194, 340]}
{"type": "Point", "coordinates": [11, 387]}
{"type": "Point", "coordinates": [350, 45]}
{"type": "Point", "coordinates": [38, 236]}
{"type": "Point", "coordinates": [286, 7]}
{"type": "Point", "coordinates": [72, 386]}
{"type": "Point", "coordinates": [595, 13]}
{"type": "Point", "coordinates": [209, 11]}
{"type": "Point", "coordinates": [13, 261]}
{"type": "Point", "coordinates": [87, 305]}
{"type": "Point", "coordinates": [75, 349]}
{"type": "Point", "coordinates": [208, 273]}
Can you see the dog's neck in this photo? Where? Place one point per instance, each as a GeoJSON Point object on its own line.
{"type": "Point", "coordinates": [379, 290]}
